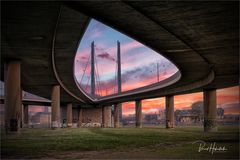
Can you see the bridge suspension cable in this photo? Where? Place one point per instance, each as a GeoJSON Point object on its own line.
{"type": "Point", "coordinates": [98, 86]}
{"type": "Point", "coordinates": [84, 70]}
{"type": "Point", "coordinates": [87, 83]}
{"type": "Point", "coordinates": [98, 81]}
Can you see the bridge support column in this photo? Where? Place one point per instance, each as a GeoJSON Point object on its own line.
{"type": "Point", "coordinates": [80, 117]}
{"type": "Point", "coordinates": [120, 112]}
{"type": "Point", "coordinates": [69, 115]}
{"type": "Point", "coordinates": [25, 116]}
{"type": "Point", "coordinates": [116, 116]}
{"type": "Point", "coordinates": [55, 106]}
{"type": "Point", "coordinates": [13, 99]}
{"type": "Point", "coordinates": [104, 116]}
{"type": "Point", "coordinates": [138, 112]}
{"type": "Point", "coordinates": [210, 110]}
{"type": "Point", "coordinates": [169, 111]}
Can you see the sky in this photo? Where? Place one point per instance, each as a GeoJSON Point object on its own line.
{"type": "Point", "coordinates": [139, 68]}
{"type": "Point", "coordinates": [139, 63]}
{"type": "Point", "coordinates": [227, 98]}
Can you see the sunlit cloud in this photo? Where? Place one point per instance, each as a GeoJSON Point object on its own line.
{"type": "Point", "coordinates": [139, 63]}
{"type": "Point", "coordinates": [126, 47]}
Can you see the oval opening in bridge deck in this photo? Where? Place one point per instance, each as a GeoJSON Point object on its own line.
{"type": "Point", "coordinates": [140, 65]}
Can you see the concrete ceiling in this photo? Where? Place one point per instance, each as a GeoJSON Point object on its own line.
{"type": "Point", "coordinates": [201, 38]}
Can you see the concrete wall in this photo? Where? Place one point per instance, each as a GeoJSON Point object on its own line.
{"type": "Point", "coordinates": [89, 115]}
{"type": "Point", "coordinates": [94, 115]}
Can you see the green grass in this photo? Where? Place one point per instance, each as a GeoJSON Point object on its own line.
{"type": "Point", "coordinates": [149, 142]}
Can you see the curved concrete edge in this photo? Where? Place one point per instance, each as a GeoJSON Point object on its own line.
{"type": "Point", "coordinates": [166, 82]}
{"type": "Point", "coordinates": [77, 84]}
{"type": "Point", "coordinates": [153, 87]}
{"type": "Point", "coordinates": [53, 60]}
{"type": "Point", "coordinates": [82, 91]}
{"type": "Point", "coordinates": [201, 83]}
{"type": "Point", "coordinates": [170, 80]}
{"type": "Point", "coordinates": [174, 91]}
{"type": "Point", "coordinates": [143, 90]}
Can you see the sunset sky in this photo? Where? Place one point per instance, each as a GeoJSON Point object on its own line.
{"type": "Point", "coordinates": [139, 63]}
{"type": "Point", "coordinates": [227, 98]}
{"type": "Point", "coordinates": [138, 69]}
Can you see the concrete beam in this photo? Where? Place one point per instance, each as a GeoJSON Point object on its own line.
{"type": "Point", "coordinates": [69, 115]}
{"type": "Point", "coordinates": [169, 111]}
{"type": "Point", "coordinates": [55, 106]}
{"type": "Point", "coordinates": [13, 103]}
{"type": "Point", "coordinates": [210, 110]}
{"type": "Point", "coordinates": [138, 114]}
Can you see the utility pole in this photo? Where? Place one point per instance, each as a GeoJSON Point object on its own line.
{"type": "Point", "coordinates": [92, 71]}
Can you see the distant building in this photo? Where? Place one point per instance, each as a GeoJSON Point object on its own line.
{"type": "Point", "coordinates": [128, 120]}
{"type": "Point", "coordinates": [187, 117]}
{"type": "Point", "coordinates": [229, 119]}
{"type": "Point", "coordinates": [151, 118]}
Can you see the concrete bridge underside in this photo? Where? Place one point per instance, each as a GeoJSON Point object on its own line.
{"type": "Point", "coordinates": [200, 38]}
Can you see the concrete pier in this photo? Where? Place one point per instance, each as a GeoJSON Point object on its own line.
{"type": "Point", "coordinates": [69, 115]}
{"type": "Point", "coordinates": [80, 117]}
{"type": "Point", "coordinates": [210, 110]}
{"type": "Point", "coordinates": [138, 114]}
{"type": "Point", "coordinates": [55, 106]}
{"type": "Point", "coordinates": [116, 116]}
{"type": "Point", "coordinates": [13, 99]}
{"type": "Point", "coordinates": [104, 116]}
{"type": "Point", "coordinates": [169, 111]}
{"type": "Point", "coordinates": [25, 116]}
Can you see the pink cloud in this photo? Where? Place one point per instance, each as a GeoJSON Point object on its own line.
{"type": "Point", "coordinates": [125, 47]}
